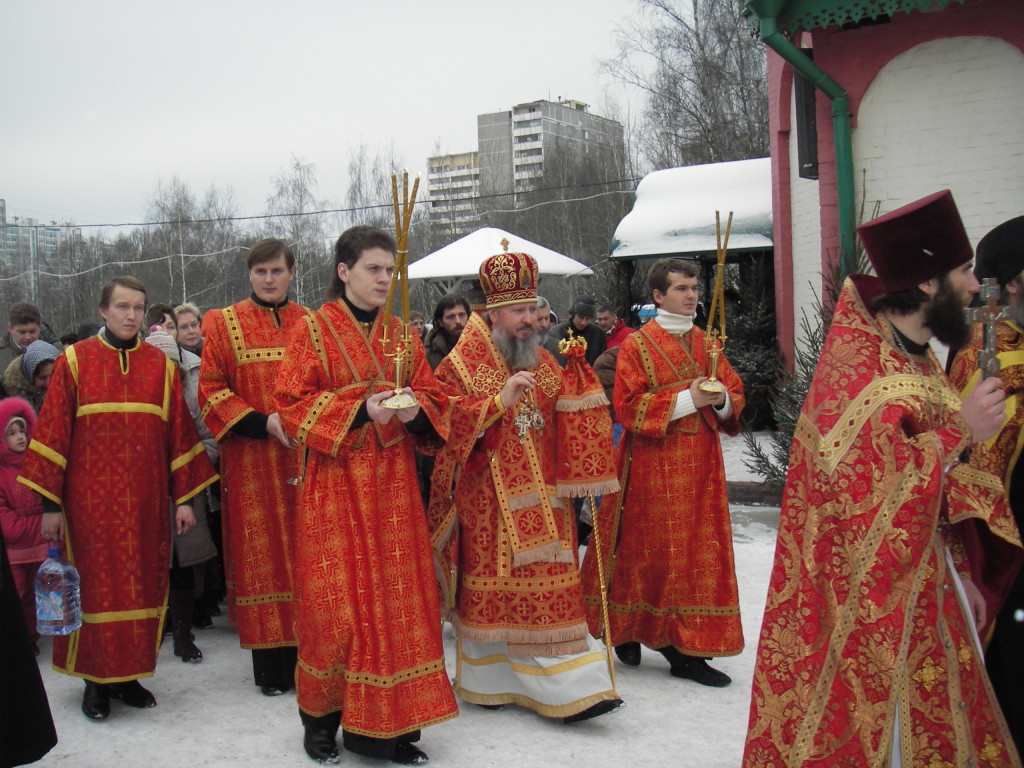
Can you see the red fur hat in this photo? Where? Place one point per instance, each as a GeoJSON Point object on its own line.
{"type": "Point", "coordinates": [16, 408]}
{"type": "Point", "coordinates": [917, 242]}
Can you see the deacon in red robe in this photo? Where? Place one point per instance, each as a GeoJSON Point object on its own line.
{"type": "Point", "coordinates": [243, 349]}
{"type": "Point", "coordinates": [667, 548]}
{"type": "Point", "coordinates": [115, 440]}
{"type": "Point", "coordinates": [525, 438]}
{"type": "Point", "coordinates": [368, 618]}
{"type": "Point", "coordinates": [868, 653]}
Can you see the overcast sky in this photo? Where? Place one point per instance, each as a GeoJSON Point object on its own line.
{"type": "Point", "coordinates": [101, 99]}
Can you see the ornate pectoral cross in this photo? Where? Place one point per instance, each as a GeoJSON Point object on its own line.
{"type": "Point", "coordinates": [528, 416]}
{"type": "Point", "coordinates": [988, 316]}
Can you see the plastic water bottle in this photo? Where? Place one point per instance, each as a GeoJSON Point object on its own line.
{"type": "Point", "coordinates": [58, 600]}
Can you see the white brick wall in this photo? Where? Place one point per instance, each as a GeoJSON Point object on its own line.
{"type": "Point", "coordinates": [806, 234]}
{"type": "Point", "coordinates": [948, 113]}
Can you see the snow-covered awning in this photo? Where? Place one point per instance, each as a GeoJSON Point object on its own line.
{"type": "Point", "coordinates": [674, 211]}
{"type": "Point", "coordinates": [462, 259]}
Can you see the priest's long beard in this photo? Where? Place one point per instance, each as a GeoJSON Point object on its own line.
{"type": "Point", "coordinates": [518, 353]}
{"type": "Point", "coordinates": [944, 316]}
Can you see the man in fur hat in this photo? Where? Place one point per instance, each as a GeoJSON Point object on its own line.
{"type": "Point", "coordinates": [1001, 255]}
{"type": "Point", "coordinates": [868, 652]}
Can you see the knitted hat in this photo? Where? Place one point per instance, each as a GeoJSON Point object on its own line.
{"type": "Point", "coordinates": [509, 278]}
{"type": "Point", "coordinates": [165, 343]}
{"type": "Point", "coordinates": [584, 306]}
{"type": "Point", "coordinates": [917, 242]}
{"type": "Point", "coordinates": [1001, 252]}
{"type": "Point", "coordinates": [35, 354]}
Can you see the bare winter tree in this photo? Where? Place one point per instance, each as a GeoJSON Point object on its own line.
{"type": "Point", "coordinates": [704, 80]}
{"type": "Point", "coordinates": [198, 241]}
{"type": "Point", "coordinates": [295, 204]}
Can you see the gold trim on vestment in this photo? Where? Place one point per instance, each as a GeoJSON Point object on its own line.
{"type": "Point", "coordinates": [579, 660]}
{"type": "Point", "coordinates": [515, 584]}
{"type": "Point", "coordinates": [273, 597]}
{"type": "Point", "coordinates": [185, 458]}
{"type": "Point", "coordinates": [187, 497]}
{"type": "Point", "coordinates": [676, 610]}
{"type": "Point", "coordinates": [47, 452]}
{"type": "Point", "coordinates": [242, 354]}
{"type": "Point", "coordinates": [848, 614]}
{"type": "Point", "coordinates": [39, 489]}
{"type": "Point", "coordinates": [377, 681]}
{"type": "Point", "coordinates": [829, 449]}
{"type": "Point", "coordinates": [72, 357]}
{"type": "Point", "coordinates": [92, 409]}
{"type": "Point", "coordinates": [137, 614]}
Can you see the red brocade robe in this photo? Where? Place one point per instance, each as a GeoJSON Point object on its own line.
{"type": "Point", "coordinates": [502, 526]}
{"type": "Point", "coordinates": [863, 624]}
{"type": "Point", "coordinates": [242, 352]}
{"type": "Point", "coordinates": [671, 578]}
{"type": "Point", "coordinates": [115, 440]}
{"type": "Point", "coordinates": [368, 618]}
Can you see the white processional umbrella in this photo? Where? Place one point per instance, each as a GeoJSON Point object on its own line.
{"type": "Point", "coordinates": [461, 260]}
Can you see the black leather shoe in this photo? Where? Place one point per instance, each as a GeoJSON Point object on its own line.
{"type": "Point", "coordinates": [629, 654]}
{"type": "Point", "coordinates": [694, 668]}
{"type": "Point", "coordinates": [272, 690]}
{"type": "Point", "coordinates": [493, 707]}
{"type": "Point", "coordinates": [96, 701]}
{"type": "Point", "coordinates": [132, 694]}
{"type": "Point", "coordinates": [601, 708]}
{"type": "Point", "coordinates": [320, 745]}
{"type": "Point", "coordinates": [409, 754]}
{"type": "Point", "coordinates": [701, 672]}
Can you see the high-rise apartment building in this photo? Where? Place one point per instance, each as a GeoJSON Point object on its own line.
{"type": "Point", "coordinates": [517, 152]}
{"type": "Point", "coordinates": [24, 240]}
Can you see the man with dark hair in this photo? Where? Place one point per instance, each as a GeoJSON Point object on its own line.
{"type": "Point", "coordinates": [525, 437]}
{"type": "Point", "coordinates": [450, 316]}
{"type": "Point", "coordinates": [670, 575]}
{"type": "Point", "coordinates": [114, 441]}
{"type": "Point", "coordinates": [581, 323]}
{"type": "Point", "coordinates": [868, 652]}
{"type": "Point", "coordinates": [615, 329]}
{"type": "Point", "coordinates": [243, 351]}
{"type": "Point", "coordinates": [24, 323]}
{"type": "Point", "coordinates": [371, 660]}
{"type": "Point", "coordinates": [1001, 256]}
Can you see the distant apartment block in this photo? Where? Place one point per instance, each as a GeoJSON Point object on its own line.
{"type": "Point", "coordinates": [25, 240]}
{"type": "Point", "coordinates": [453, 183]}
{"type": "Point", "coordinates": [517, 149]}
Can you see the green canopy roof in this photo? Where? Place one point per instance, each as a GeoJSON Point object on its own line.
{"type": "Point", "coordinates": [796, 15]}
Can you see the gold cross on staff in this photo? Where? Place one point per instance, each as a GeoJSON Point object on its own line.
{"type": "Point", "coordinates": [988, 315]}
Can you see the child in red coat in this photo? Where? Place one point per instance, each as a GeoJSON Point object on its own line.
{"type": "Point", "coordinates": [21, 510]}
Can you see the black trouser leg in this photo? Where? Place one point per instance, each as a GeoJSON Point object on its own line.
{"type": "Point", "coordinates": [274, 667]}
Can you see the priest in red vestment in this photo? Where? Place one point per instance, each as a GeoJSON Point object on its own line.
{"type": "Point", "coordinates": [668, 553]}
{"type": "Point", "coordinates": [1001, 256]}
{"type": "Point", "coordinates": [525, 438]}
{"type": "Point", "coordinates": [115, 440]}
{"type": "Point", "coordinates": [243, 349]}
{"type": "Point", "coordinates": [368, 618]}
{"type": "Point", "coordinates": [868, 653]}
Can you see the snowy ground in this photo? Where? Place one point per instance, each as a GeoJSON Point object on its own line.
{"type": "Point", "coordinates": [211, 714]}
